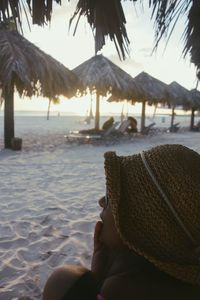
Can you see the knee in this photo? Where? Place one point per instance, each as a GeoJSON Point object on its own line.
{"type": "Point", "coordinates": [60, 281]}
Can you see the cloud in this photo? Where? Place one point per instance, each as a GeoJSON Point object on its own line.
{"type": "Point", "coordinates": [128, 62]}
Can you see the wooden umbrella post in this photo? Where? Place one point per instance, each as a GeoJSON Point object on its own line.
{"type": "Point", "coordinates": [172, 118]}
{"type": "Point", "coordinates": [54, 78]}
{"type": "Point", "coordinates": [192, 119]}
{"type": "Point", "coordinates": [48, 110]}
{"type": "Point", "coordinates": [8, 116]}
{"type": "Point", "coordinates": [143, 117]}
{"type": "Point", "coordinates": [97, 114]}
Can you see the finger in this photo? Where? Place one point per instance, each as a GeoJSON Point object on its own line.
{"type": "Point", "coordinates": [97, 233]}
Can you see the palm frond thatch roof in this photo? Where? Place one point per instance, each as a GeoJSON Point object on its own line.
{"type": "Point", "coordinates": [151, 89]}
{"type": "Point", "coordinates": [193, 105]}
{"type": "Point", "coordinates": [100, 74]}
{"type": "Point", "coordinates": [178, 95]}
{"type": "Point", "coordinates": [41, 11]}
{"type": "Point", "coordinates": [107, 18]}
{"type": "Point", "coordinates": [195, 99]}
{"type": "Point", "coordinates": [32, 71]}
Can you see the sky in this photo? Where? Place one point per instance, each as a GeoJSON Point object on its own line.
{"type": "Point", "coordinates": [57, 40]}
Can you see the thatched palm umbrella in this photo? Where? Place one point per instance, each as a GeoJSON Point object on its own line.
{"type": "Point", "coordinates": [194, 105]}
{"type": "Point", "coordinates": [107, 18]}
{"type": "Point", "coordinates": [30, 71]}
{"type": "Point", "coordinates": [151, 90]}
{"type": "Point", "coordinates": [177, 96]}
{"type": "Point", "coordinates": [99, 74]}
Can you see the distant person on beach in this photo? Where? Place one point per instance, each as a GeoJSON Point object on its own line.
{"type": "Point", "coordinates": [147, 244]}
{"type": "Point", "coordinates": [108, 123]}
{"type": "Point", "coordinates": [132, 125]}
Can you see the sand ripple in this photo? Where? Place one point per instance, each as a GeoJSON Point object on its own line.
{"type": "Point", "coordinates": [48, 207]}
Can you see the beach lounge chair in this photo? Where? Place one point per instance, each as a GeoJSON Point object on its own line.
{"type": "Point", "coordinates": [147, 129]}
{"type": "Point", "coordinates": [110, 130]}
{"type": "Point", "coordinates": [174, 128]}
{"type": "Point", "coordinates": [87, 136]}
{"type": "Point", "coordinates": [195, 128]}
{"type": "Point", "coordinates": [123, 126]}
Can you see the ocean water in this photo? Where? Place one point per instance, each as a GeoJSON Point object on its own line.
{"type": "Point", "coordinates": [37, 121]}
{"type": "Point", "coordinates": [36, 131]}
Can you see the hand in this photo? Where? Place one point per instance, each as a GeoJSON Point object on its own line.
{"type": "Point", "coordinates": [100, 259]}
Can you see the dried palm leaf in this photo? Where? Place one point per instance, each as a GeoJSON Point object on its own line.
{"type": "Point", "coordinates": [101, 75]}
{"type": "Point", "coordinates": [106, 18]}
{"type": "Point", "coordinates": [39, 10]}
{"type": "Point", "coordinates": [192, 35]}
{"type": "Point", "coordinates": [178, 95]}
{"type": "Point", "coordinates": [151, 89]}
{"type": "Point", "coordinates": [32, 70]}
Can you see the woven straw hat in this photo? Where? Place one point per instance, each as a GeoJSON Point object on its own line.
{"type": "Point", "coordinates": [155, 201]}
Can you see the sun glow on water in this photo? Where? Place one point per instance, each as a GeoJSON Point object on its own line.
{"type": "Point", "coordinates": [78, 106]}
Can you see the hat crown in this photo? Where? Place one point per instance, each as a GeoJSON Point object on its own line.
{"type": "Point", "coordinates": [143, 218]}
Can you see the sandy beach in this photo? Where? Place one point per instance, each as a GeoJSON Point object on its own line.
{"type": "Point", "coordinates": [49, 194]}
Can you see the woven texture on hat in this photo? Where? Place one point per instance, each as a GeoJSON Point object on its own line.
{"type": "Point", "coordinates": [143, 219]}
{"type": "Point", "coordinates": [112, 173]}
{"type": "Point", "coordinates": [177, 170]}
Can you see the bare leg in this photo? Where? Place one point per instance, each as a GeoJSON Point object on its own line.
{"type": "Point", "coordinates": [61, 280]}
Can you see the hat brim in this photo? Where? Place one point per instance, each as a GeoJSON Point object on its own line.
{"type": "Point", "coordinates": [114, 172]}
